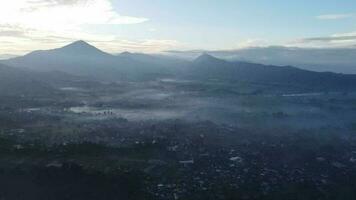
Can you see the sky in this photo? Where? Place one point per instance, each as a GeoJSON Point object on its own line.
{"type": "Point", "coordinates": [153, 26]}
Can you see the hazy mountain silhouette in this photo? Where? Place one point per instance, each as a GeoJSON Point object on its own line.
{"type": "Point", "coordinates": [82, 48]}
{"type": "Point", "coordinates": [209, 67]}
{"type": "Point", "coordinates": [15, 81]}
{"type": "Point", "coordinates": [168, 65]}
{"type": "Point", "coordinates": [208, 59]}
{"type": "Point", "coordinates": [144, 58]}
{"type": "Point", "coordinates": [339, 60]}
{"type": "Point", "coordinates": [83, 59]}
{"type": "Point", "coordinates": [7, 56]}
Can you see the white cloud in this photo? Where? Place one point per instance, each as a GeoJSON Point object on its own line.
{"type": "Point", "coordinates": [148, 45]}
{"type": "Point", "coordinates": [345, 34]}
{"type": "Point", "coordinates": [334, 16]}
{"type": "Point", "coordinates": [27, 25]}
{"type": "Point", "coordinates": [61, 15]}
{"type": "Point", "coordinates": [26, 40]}
{"type": "Point", "coordinates": [252, 43]}
{"type": "Point", "coordinates": [335, 40]}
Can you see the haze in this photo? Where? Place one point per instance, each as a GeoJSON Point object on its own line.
{"type": "Point", "coordinates": [177, 100]}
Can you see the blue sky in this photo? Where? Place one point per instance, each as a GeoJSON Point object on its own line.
{"type": "Point", "coordinates": [158, 25]}
{"type": "Point", "coordinates": [223, 24]}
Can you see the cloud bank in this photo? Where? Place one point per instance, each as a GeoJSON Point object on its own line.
{"type": "Point", "coordinates": [334, 16]}
{"type": "Point", "coordinates": [27, 24]}
{"type": "Point", "coordinates": [60, 15]}
{"type": "Point", "coordinates": [336, 40]}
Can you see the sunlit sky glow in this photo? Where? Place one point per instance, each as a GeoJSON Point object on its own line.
{"type": "Point", "coordinates": [158, 25]}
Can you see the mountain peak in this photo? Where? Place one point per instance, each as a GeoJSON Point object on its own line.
{"type": "Point", "coordinates": [207, 58]}
{"type": "Point", "coordinates": [79, 43]}
{"type": "Point", "coordinates": [81, 47]}
{"type": "Point", "coordinates": [126, 53]}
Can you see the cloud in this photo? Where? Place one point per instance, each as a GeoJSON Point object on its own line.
{"type": "Point", "coordinates": [148, 45]}
{"type": "Point", "coordinates": [16, 40]}
{"type": "Point", "coordinates": [11, 31]}
{"type": "Point", "coordinates": [27, 25]}
{"type": "Point", "coordinates": [334, 16]}
{"type": "Point", "coordinates": [62, 15]}
{"type": "Point", "coordinates": [49, 3]}
{"type": "Point", "coordinates": [252, 43]}
{"type": "Point", "coordinates": [331, 38]}
{"type": "Point", "coordinates": [335, 40]}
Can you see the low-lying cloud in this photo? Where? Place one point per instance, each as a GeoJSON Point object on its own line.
{"type": "Point", "coordinates": [335, 40]}
{"type": "Point", "coordinates": [334, 16]}
{"type": "Point", "coordinates": [331, 38]}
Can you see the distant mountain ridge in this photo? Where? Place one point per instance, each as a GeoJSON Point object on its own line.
{"type": "Point", "coordinates": [77, 58]}
{"type": "Point", "coordinates": [208, 67]}
{"type": "Point", "coordinates": [339, 60]}
{"type": "Point", "coordinates": [83, 59]}
{"type": "Point", "coordinates": [7, 56]}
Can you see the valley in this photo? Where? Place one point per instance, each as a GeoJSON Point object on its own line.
{"type": "Point", "coordinates": [187, 138]}
{"type": "Point", "coordinates": [248, 131]}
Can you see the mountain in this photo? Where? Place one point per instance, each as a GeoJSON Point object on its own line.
{"type": "Point", "coordinates": [85, 60]}
{"type": "Point", "coordinates": [78, 58]}
{"type": "Point", "coordinates": [169, 65]}
{"type": "Point", "coordinates": [339, 60]}
{"type": "Point", "coordinates": [208, 59]}
{"type": "Point", "coordinates": [7, 56]}
{"type": "Point", "coordinates": [81, 48]}
{"type": "Point", "coordinates": [82, 59]}
{"type": "Point", "coordinates": [209, 67]}
{"type": "Point", "coordinates": [15, 81]}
